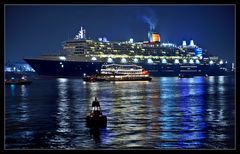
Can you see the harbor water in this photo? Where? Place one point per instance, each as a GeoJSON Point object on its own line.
{"type": "Point", "coordinates": [166, 113]}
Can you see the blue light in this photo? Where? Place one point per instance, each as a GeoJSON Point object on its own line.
{"type": "Point", "coordinates": [198, 52]}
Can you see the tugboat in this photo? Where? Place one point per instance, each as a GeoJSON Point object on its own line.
{"type": "Point", "coordinates": [21, 81]}
{"type": "Point", "coordinates": [117, 72]}
{"type": "Point", "coordinates": [96, 118]}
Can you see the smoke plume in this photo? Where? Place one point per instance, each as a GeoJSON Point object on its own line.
{"type": "Point", "coordinates": [150, 19]}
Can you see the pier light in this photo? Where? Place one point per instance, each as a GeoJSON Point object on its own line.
{"type": "Point", "coordinates": [62, 58]}
{"type": "Point", "coordinates": [191, 61]}
{"type": "Point", "coordinates": [94, 58]}
{"type": "Point", "coordinates": [211, 62]}
{"type": "Point", "coordinates": [176, 61]}
{"type": "Point", "coordinates": [110, 60]}
{"type": "Point", "coordinates": [221, 62]}
{"type": "Point", "coordinates": [164, 61]}
{"type": "Point", "coordinates": [149, 61]}
{"type": "Point", "coordinates": [197, 61]}
{"type": "Point", "coordinates": [135, 60]}
{"type": "Point", "coordinates": [184, 61]}
{"type": "Point", "coordinates": [123, 60]}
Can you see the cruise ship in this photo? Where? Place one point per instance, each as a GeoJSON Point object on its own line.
{"type": "Point", "coordinates": [81, 56]}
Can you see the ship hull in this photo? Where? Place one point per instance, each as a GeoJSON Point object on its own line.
{"type": "Point", "coordinates": [55, 68]}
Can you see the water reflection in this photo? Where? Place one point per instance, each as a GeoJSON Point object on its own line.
{"type": "Point", "coordinates": [217, 113]}
{"type": "Point", "coordinates": [12, 90]}
{"type": "Point", "coordinates": [23, 108]}
{"type": "Point", "coordinates": [63, 115]}
{"type": "Point", "coordinates": [166, 113]}
{"type": "Point", "coordinates": [182, 118]}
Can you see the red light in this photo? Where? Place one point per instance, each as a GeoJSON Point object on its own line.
{"type": "Point", "coordinates": [145, 72]}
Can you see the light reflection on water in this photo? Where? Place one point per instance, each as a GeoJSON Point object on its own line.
{"type": "Point", "coordinates": [167, 113]}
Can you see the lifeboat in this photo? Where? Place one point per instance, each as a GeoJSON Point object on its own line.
{"type": "Point", "coordinates": [95, 117]}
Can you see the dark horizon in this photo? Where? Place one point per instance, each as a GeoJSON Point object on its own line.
{"type": "Point", "coordinates": [32, 30]}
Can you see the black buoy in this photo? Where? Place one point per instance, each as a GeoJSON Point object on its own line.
{"type": "Point", "coordinates": [95, 117]}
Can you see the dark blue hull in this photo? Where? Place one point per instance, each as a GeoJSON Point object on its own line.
{"type": "Point", "coordinates": [78, 69]}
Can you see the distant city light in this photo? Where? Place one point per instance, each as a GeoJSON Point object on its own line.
{"type": "Point", "coordinates": [62, 66]}
{"type": "Point", "coordinates": [197, 61]}
{"type": "Point", "coordinates": [211, 62]}
{"type": "Point", "coordinates": [100, 39]}
{"type": "Point", "coordinates": [19, 67]}
{"type": "Point", "coordinates": [8, 69]}
{"type": "Point", "coordinates": [62, 58]}
{"type": "Point", "coordinates": [184, 61]}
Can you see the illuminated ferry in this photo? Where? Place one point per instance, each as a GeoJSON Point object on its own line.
{"type": "Point", "coordinates": [82, 56]}
{"type": "Point", "coordinates": [116, 72]}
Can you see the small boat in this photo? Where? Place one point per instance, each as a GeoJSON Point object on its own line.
{"type": "Point", "coordinates": [96, 118]}
{"type": "Point", "coordinates": [22, 81]}
{"type": "Point", "coordinates": [116, 72]}
{"type": "Point", "coordinates": [185, 76]}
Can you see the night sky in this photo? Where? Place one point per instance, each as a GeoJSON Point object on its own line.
{"type": "Point", "coordinates": [32, 30]}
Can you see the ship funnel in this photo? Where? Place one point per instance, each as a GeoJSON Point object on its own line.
{"type": "Point", "coordinates": [153, 37]}
{"type": "Point", "coordinates": [184, 43]}
{"type": "Point", "coordinates": [191, 43]}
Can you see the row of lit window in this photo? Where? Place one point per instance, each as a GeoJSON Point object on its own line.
{"type": "Point", "coordinates": [176, 61]}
